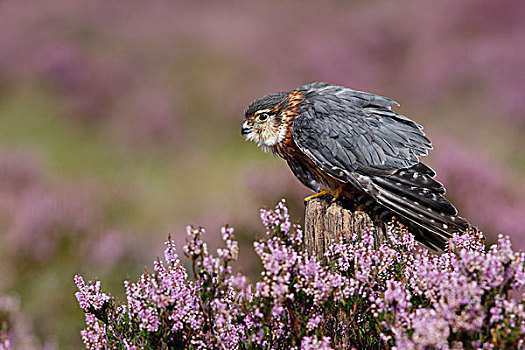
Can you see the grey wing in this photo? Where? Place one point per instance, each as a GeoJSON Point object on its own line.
{"type": "Point", "coordinates": [356, 138]}
{"type": "Point", "coordinates": [346, 131]}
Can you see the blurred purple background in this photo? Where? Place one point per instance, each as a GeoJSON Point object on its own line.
{"type": "Point", "coordinates": [119, 123]}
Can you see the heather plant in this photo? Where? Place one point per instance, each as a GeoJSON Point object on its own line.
{"type": "Point", "coordinates": [359, 295]}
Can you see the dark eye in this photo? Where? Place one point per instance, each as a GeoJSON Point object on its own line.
{"type": "Point", "coordinates": [262, 117]}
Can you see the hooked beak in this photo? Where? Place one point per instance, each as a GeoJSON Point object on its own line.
{"type": "Point", "coordinates": [246, 128]}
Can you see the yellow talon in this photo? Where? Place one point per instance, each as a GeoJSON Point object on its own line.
{"type": "Point", "coordinates": [335, 193]}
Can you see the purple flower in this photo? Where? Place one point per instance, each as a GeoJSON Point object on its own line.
{"type": "Point", "coordinates": [194, 243]}
{"type": "Point", "coordinates": [89, 295]}
{"type": "Point", "coordinates": [277, 218]}
{"type": "Point", "coordinates": [316, 281]}
{"type": "Point", "coordinates": [231, 252]}
{"type": "Point", "coordinates": [313, 343]}
{"type": "Point", "coordinates": [149, 319]}
{"type": "Point", "coordinates": [395, 294]}
{"type": "Point", "coordinates": [167, 288]}
{"type": "Point", "coordinates": [94, 335]}
{"type": "Point", "coordinates": [314, 322]}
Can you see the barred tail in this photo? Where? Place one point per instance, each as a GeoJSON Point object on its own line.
{"type": "Point", "coordinates": [416, 199]}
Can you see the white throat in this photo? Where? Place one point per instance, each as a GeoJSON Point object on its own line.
{"type": "Point", "coordinates": [266, 139]}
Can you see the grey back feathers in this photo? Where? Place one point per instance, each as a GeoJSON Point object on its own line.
{"type": "Point", "coordinates": [358, 139]}
{"type": "Point", "coordinates": [356, 131]}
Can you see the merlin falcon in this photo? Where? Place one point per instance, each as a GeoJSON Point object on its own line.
{"type": "Point", "coordinates": [349, 143]}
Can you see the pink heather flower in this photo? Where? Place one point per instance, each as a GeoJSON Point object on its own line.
{"type": "Point", "coordinates": [277, 311]}
{"type": "Point", "coordinates": [496, 312]}
{"type": "Point", "coordinates": [315, 280]}
{"type": "Point", "coordinates": [313, 343]}
{"type": "Point", "coordinates": [128, 346]}
{"type": "Point", "coordinates": [468, 241]}
{"type": "Point", "coordinates": [313, 322]}
{"type": "Point", "coordinates": [149, 319]}
{"type": "Point", "coordinates": [167, 288]}
{"type": "Point", "coordinates": [278, 261]}
{"type": "Point", "coordinates": [430, 330]}
{"type": "Point", "coordinates": [408, 297]}
{"type": "Point", "coordinates": [231, 252]}
{"type": "Point", "coordinates": [194, 244]}
{"type": "Point", "coordinates": [298, 236]}
{"type": "Point", "coordinates": [277, 218]}
{"type": "Point", "coordinates": [94, 336]}
{"type": "Point", "coordinates": [89, 295]}
{"type": "Point", "coordinates": [170, 253]}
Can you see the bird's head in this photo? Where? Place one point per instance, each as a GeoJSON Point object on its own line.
{"type": "Point", "coordinates": [263, 124]}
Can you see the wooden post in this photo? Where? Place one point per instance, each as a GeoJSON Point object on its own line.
{"type": "Point", "coordinates": [326, 220]}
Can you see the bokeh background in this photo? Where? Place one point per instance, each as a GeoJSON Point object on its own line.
{"type": "Point", "coordinates": [120, 120]}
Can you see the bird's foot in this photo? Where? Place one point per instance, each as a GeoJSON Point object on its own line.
{"type": "Point", "coordinates": [335, 193]}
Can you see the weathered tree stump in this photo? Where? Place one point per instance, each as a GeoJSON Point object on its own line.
{"type": "Point", "coordinates": [325, 221]}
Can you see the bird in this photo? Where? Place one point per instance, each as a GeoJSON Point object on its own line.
{"type": "Point", "coordinates": [343, 142]}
